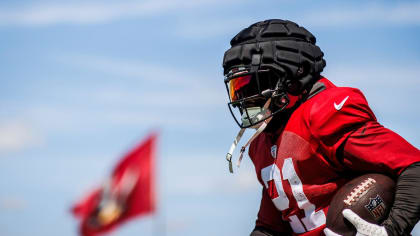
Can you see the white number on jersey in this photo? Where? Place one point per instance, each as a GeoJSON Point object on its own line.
{"type": "Point", "coordinates": [313, 219]}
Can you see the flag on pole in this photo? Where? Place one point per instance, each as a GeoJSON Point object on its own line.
{"type": "Point", "coordinates": [127, 193]}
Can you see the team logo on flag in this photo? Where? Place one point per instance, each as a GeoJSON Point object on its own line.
{"type": "Point", "coordinates": [376, 207]}
{"type": "Point", "coordinates": [274, 151]}
{"type": "Point", "coordinates": [113, 199]}
{"type": "Point", "coordinates": [127, 193]}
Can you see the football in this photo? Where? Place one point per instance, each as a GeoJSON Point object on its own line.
{"type": "Point", "coordinates": [370, 196]}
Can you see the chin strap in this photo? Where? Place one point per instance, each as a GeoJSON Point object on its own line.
{"type": "Point", "coordinates": [239, 136]}
{"type": "Point", "coordinates": [258, 132]}
{"type": "Point", "coordinates": [232, 148]}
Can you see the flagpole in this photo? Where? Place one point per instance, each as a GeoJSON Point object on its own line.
{"type": "Point", "coordinates": [159, 219]}
{"type": "Point", "coordinates": [160, 214]}
{"type": "Point", "coordinates": [159, 224]}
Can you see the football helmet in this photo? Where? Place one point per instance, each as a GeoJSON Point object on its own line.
{"type": "Point", "coordinates": [273, 59]}
{"type": "Point", "coordinates": [270, 66]}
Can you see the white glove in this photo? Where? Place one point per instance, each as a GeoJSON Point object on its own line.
{"type": "Point", "coordinates": [363, 227]}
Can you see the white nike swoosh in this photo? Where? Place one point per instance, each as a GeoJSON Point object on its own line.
{"type": "Point", "coordinates": [339, 106]}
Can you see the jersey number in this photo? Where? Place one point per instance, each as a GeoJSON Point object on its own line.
{"type": "Point", "coordinates": [313, 219]}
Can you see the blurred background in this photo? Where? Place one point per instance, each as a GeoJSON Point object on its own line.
{"type": "Point", "coordinates": [82, 82]}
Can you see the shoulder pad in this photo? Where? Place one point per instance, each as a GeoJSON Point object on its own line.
{"type": "Point", "coordinates": [338, 110]}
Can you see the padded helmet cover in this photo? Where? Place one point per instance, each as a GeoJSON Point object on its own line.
{"type": "Point", "coordinates": [283, 46]}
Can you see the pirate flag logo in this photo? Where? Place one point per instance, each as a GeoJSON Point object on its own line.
{"type": "Point", "coordinates": [113, 200]}
{"type": "Point", "coordinates": [129, 192]}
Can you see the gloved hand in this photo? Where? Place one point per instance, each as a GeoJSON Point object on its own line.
{"type": "Point", "coordinates": [363, 227]}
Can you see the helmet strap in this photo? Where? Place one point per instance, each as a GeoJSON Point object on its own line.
{"type": "Point", "coordinates": [232, 148]}
{"type": "Point", "coordinates": [239, 136]}
{"type": "Point", "coordinates": [258, 132]}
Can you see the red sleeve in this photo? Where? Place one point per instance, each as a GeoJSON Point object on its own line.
{"type": "Point", "coordinates": [269, 217]}
{"type": "Point", "coordinates": [374, 148]}
{"type": "Point", "coordinates": [352, 139]}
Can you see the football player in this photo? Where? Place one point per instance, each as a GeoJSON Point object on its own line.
{"type": "Point", "coordinates": [311, 136]}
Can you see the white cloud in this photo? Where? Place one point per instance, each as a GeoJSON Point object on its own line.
{"type": "Point", "coordinates": [207, 174]}
{"type": "Point", "coordinates": [398, 14]}
{"type": "Point", "coordinates": [180, 100]}
{"type": "Point", "coordinates": [212, 27]}
{"type": "Point", "coordinates": [53, 119]}
{"type": "Point", "coordinates": [134, 93]}
{"type": "Point", "coordinates": [15, 136]}
{"type": "Point", "coordinates": [342, 16]}
{"type": "Point", "coordinates": [155, 73]}
{"type": "Point", "coordinates": [167, 86]}
{"type": "Point", "coordinates": [12, 203]}
{"type": "Point", "coordinates": [91, 13]}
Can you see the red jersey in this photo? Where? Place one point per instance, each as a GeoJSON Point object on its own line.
{"type": "Point", "coordinates": [327, 140]}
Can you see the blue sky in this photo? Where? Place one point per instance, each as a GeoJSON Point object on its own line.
{"type": "Point", "coordinates": [82, 82]}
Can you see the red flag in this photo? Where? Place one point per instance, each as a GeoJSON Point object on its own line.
{"type": "Point", "coordinates": [129, 192]}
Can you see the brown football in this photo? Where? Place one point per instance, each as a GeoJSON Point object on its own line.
{"type": "Point", "coordinates": [370, 196]}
